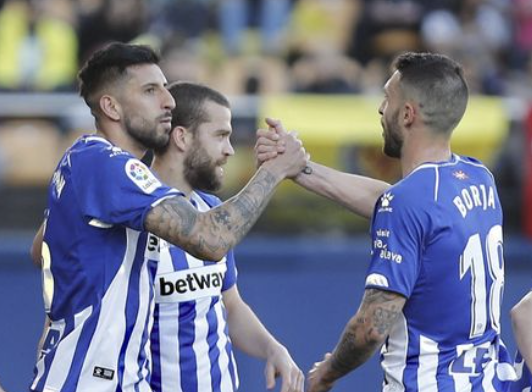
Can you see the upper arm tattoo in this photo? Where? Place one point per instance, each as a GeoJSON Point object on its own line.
{"type": "Point", "coordinates": [211, 234]}
{"type": "Point", "coordinates": [366, 331]}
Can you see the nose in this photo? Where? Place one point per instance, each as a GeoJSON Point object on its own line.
{"type": "Point", "coordinates": [168, 100]}
{"type": "Point", "coordinates": [228, 149]}
{"type": "Point", "coordinates": [381, 108]}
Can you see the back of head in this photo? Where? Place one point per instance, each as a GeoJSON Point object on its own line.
{"type": "Point", "coordinates": [190, 99]}
{"type": "Point", "coordinates": [109, 66]}
{"type": "Point", "coordinates": [437, 84]}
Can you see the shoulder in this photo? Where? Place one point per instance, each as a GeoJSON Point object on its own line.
{"type": "Point", "coordinates": [418, 188]}
{"type": "Point", "coordinates": [475, 164]}
{"type": "Point", "coordinates": [209, 199]}
{"type": "Point", "coordinates": [95, 147]}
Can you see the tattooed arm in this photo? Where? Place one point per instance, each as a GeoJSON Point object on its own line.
{"type": "Point", "coordinates": [362, 336]}
{"type": "Point", "coordinates": [211, 234]}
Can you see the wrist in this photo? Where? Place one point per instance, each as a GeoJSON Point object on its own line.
{"type": "Point", "coordinates": [277, 172]}
{"type": "Point", "coordinates": [274, 348]}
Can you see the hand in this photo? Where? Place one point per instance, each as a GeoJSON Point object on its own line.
{"type": "Point", "coordinates": [315, 377]}
{"type": "Point", "coordinates": [269, 144]}
{"type": "Point", "coordinates": [294, 158]}
{"type": "Point", "coordinates": [279, 363]}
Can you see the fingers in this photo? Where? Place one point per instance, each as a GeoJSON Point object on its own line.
{"type": "Point", "coordinates": [301, 382]}
{"type": "Point", "coordinates": [269, 373]}
{"type": "Point", "coordinates": [294, 381]}
{"type": "Point", "coordinates": [276, 125]}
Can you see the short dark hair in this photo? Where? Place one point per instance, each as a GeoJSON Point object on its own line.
{"type": "Point", "coordinates": [189, 111]}
{"type": "Point", "coordinates": [108, 65]}
{"type": "Point", "coordinates": [437, 82]}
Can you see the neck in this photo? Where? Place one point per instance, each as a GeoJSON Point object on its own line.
{"type": "Point", "coordinates": [424, 148]}
{"type": "Point", "coordinates": [170, 171]}
{"type": "Point", "coordinates": [120, 138]}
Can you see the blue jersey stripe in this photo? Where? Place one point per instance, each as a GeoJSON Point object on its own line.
{"type": "Point", "coordinates": [156, 350]}
{"type": "Point", "coordinates": [189, 379]}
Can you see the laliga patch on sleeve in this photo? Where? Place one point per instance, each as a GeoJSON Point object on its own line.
{"type": "Point", "coordinates": [377, 280]}
{"type": "Point", "coordinates": [139, 173]}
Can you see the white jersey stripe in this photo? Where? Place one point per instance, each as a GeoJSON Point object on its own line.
{"type": "Point", "coordinates": [226, 379]}
{"type": "Point", "coordinates": [201, 346]}
{"type": "Point", "coordinates": [169, 354]}
{"type": "Point", "coordinates": [60, 369]}
{"type": "Point", "coordinates": [394, 355]}
{"type": "Point", "coordinates": [428, 365]}
{"type": "Point", "coordinates": [109, 333]}
{"type": "Point", "coordinates": [58, 326]}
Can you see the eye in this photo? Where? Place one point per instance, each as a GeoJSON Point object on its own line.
{"type": "Point", "coordinates": [150, 90]}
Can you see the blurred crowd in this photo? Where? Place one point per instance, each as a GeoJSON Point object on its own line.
{"type": "Point", "coordinates": [259, 47]}
{"type": "Point", "coordinates": [270, 46]}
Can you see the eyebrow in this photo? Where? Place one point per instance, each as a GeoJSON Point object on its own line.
{"type": "Point", "coordinates": [223, 131]}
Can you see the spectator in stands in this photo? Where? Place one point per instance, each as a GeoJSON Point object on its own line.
{"type": "Point", "coordinates": [270, 16]}
{"type": "Point", "coordinates": [38, 45]}
{"type": "Point", "coordinates": [104, 21]}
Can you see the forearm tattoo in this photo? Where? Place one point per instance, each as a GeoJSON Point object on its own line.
{"type": "Point", "coordinates": [213, 233]}
{"type": "Point", "coordinates": [366, 331]}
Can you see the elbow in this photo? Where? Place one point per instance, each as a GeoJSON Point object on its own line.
{"type": "Point", "coordinates": [206, 253]}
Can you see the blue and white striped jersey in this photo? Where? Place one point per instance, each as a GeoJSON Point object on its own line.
{"type": "Point", "coordinates": [524, 377]}
{"type": "Point", "coordinates": [190, 343]}
{"type": "Point", "coordinates": [437, 240]}
{"type": "Point", "coordinates": [98, 292]}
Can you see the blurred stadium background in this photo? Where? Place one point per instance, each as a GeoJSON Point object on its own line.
{"type": "Point", "coordinates": [317, 64]}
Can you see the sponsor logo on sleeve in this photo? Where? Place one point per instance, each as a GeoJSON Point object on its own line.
{"type": "Point", "coordinates": [386, 200]}
{"type": "Point", "coordinates": [377, 280]}
{"type": "Point", "coordinates": [381, 247]}
{"type": "Point", "coordinates": [142, 176]}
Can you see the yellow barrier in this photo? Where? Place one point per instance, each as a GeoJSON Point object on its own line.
{"type": "Point", "coordinates": [342, 120]}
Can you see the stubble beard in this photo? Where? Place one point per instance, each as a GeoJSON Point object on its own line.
{"type": "Point", "coordinates": [393, 143]}
{"type": "Point", "coordinates": [147, 134]}
{"type": "Point", "coordinates": [200, 170]}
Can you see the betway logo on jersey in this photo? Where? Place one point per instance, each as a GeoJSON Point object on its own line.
{"type": "Point", "coordinates": [191, 284]}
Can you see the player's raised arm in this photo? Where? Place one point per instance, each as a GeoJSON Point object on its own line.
{"type": "Point", "coordinates": [211, 234]}
{"type": "Point", "coordinates": [521, 316]}
{"type": "Point", "coordinates": [363, 335]}
{"type": "Point", "coordinates": [357, 193]}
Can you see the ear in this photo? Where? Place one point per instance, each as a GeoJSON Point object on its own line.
{"type": "Point", "coordinates": [110, 107]}
{"type": "Point", "coordinates": [181, 138]}
{"type": "Point", "coordinates": [409, 114]}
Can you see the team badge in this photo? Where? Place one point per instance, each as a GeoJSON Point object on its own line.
{"type": "Point", "coordinates": [460, 175]}
{"type": "Point", "coordinates": [142, 176]}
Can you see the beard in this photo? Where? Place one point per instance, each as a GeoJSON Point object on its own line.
{"type": "Point", "coordinates": [146, 133]}
{"type": "Point", "coordinates": [393, 143]}
{"type": "Point", "coordinates": [200, 170]}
